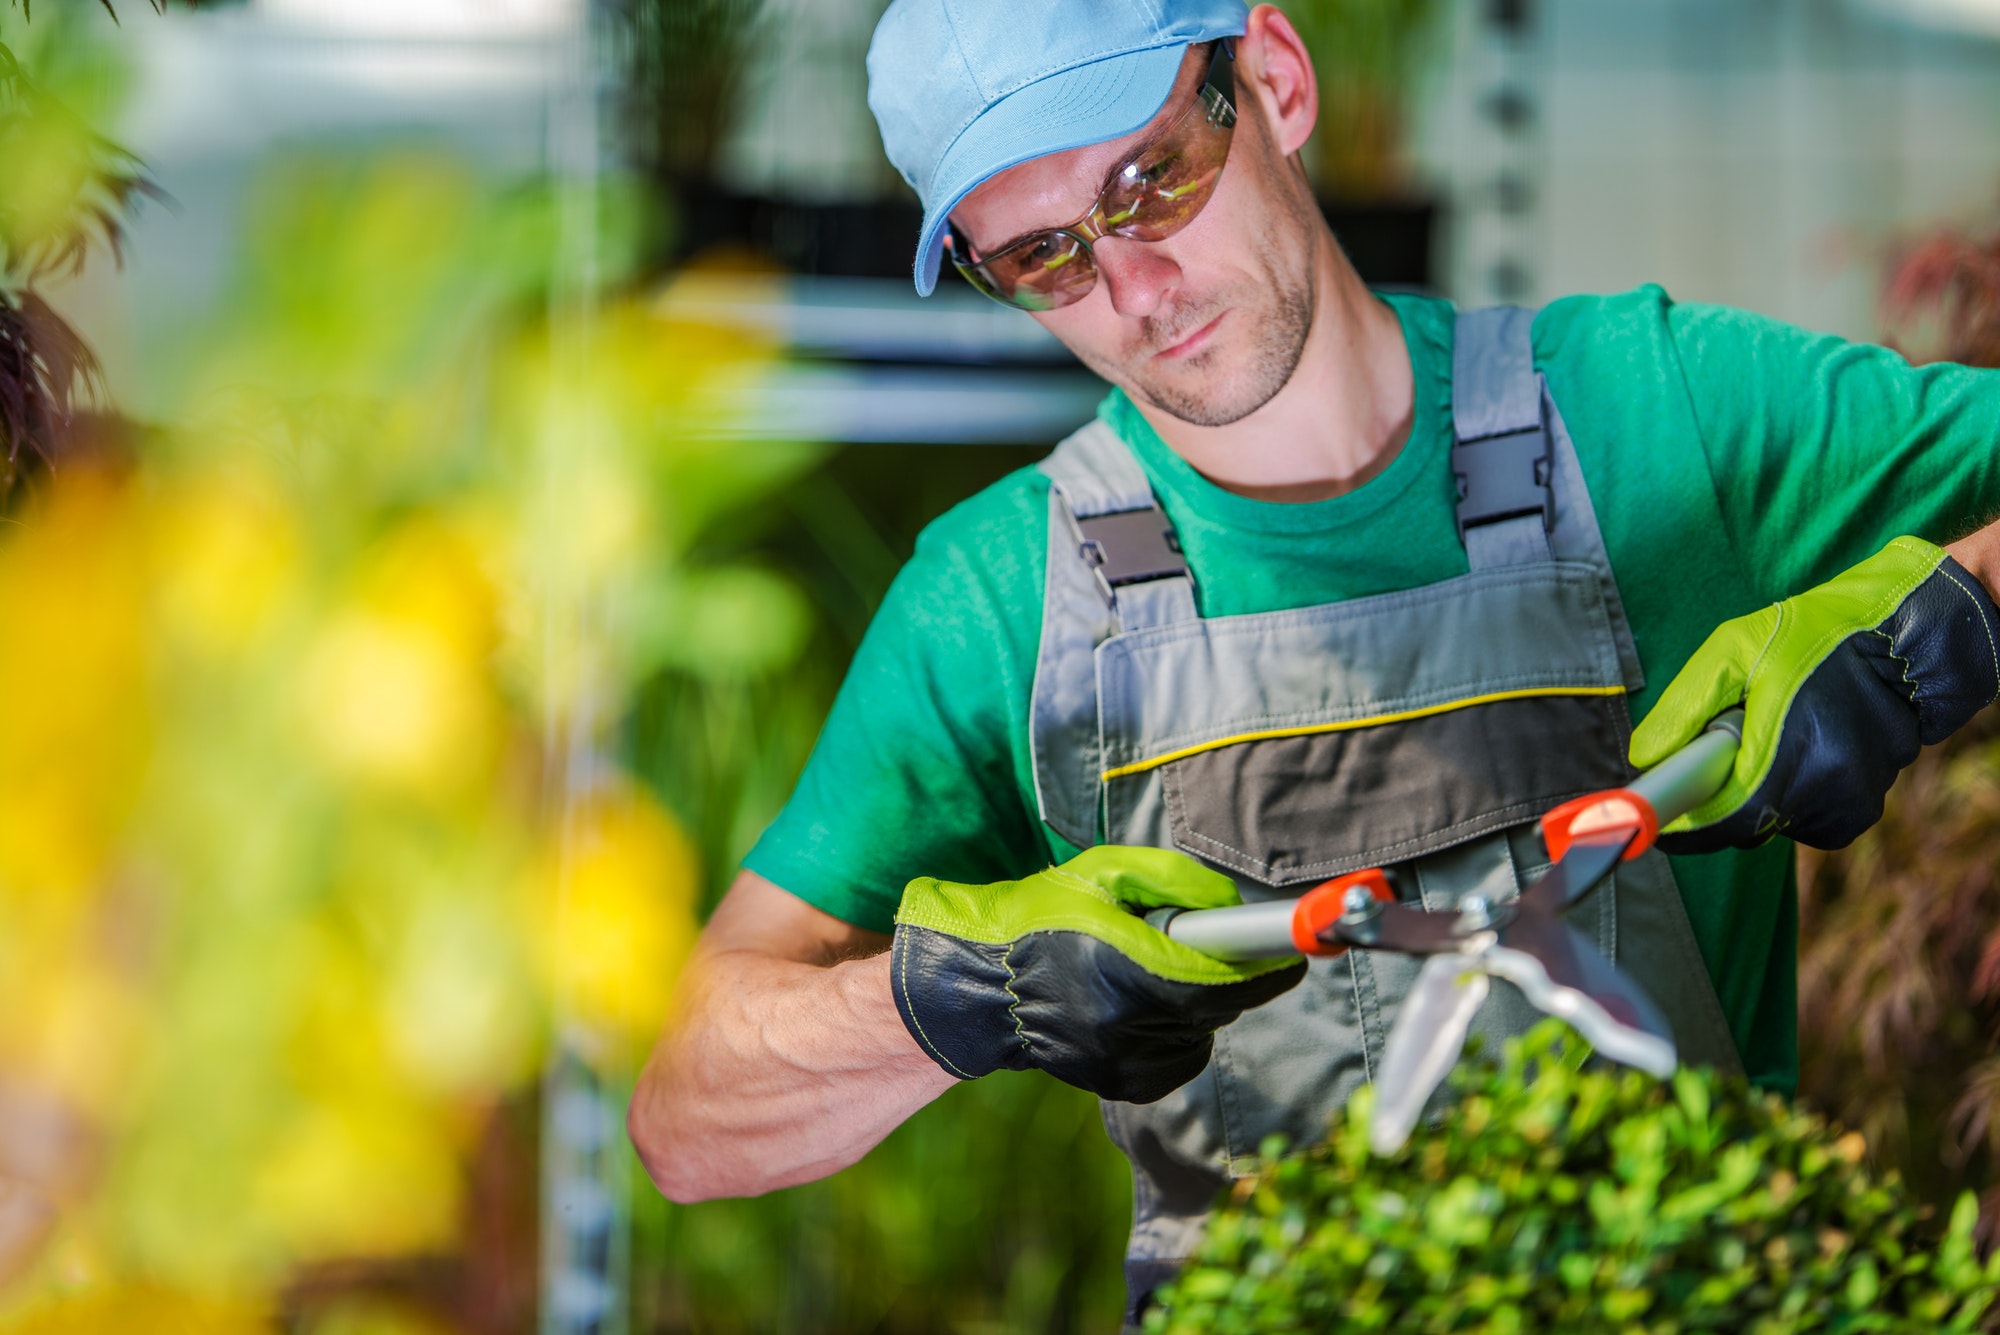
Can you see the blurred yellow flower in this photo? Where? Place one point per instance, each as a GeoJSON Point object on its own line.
{"type": "Point", "coordinates": [225, 548]}
{"type": "Point", "coordinates": [366, 1175]}
{"type": "Point", "coordinates": [613, 906]}
{"type": "Point", "coordinates": [396, 689]}
{"type": "Point", "coordinates": [71, 1027]}
{"type": "Point", "coordinates": [458, 1001]}
{"type": "Point", "coordinates": [390, 700]}
{"type": "Point", "coordinates": [72, 701]}
{"type": "Point", "coordinates": [139, 1309]}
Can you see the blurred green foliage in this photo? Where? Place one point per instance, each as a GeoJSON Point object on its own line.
{"type": "Point", "coordinates": [68, 191]}
{"type": "Point", "coordinates": [296, 875]}
{"type": "Point", "coordinates": [1366, 53]}
{"type": "Point", "coordinates": [63, 51]}
{"type": "Point", "coordinates": [404, 524]}
{"type": "Point", "coordinates": [722, 730]}
{"type": "Point", "coordinates": [1559, 1197]}
{"type": "Point", "coordinates": [682, 62]}
{"type": "Point", "coordinates": [1000, 1208]}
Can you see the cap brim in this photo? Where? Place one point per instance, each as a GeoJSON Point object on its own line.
{"type": "Point", "coordinates": [1085, 105]}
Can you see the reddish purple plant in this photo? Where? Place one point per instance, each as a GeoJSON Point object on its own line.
{"type": "Point", "coordinates": [1948, 280]}
{"type": "Point", "coordinates": [47, 370]}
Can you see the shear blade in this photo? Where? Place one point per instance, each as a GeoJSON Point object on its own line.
{"type": "Point", "coordinates": [1560, 972]}
{"type": "Point", "coordinates": [1590, 859]}
{"type": "Point", "coordinates": [1429, 1035]}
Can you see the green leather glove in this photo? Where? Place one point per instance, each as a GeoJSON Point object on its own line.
{"type": "Point", "coordinates": [1059, 973]}
{"type": "Point", "coordinates": [1840, 686]}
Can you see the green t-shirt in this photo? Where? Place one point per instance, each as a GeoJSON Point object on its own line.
{"type": "Point", "coordinates": [1732, 461]}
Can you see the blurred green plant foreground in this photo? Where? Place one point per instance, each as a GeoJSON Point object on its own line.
{"type": "Point", "coordinates": [385, 710]}
{"type": "Point", "coordinates": [290, 905]}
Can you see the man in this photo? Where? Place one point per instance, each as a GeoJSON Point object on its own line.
{"type": "Point", "coordinates": [1409, 577]}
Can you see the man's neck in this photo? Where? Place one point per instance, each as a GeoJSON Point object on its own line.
{"type": "Point", "coordinates": [1339, 420]}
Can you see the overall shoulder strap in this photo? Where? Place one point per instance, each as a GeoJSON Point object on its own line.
{"type": "Point", "coordinates": [1521, 493]}
{"type": "Point", "coordinates": [1114, 563]}
{"type": "Point", "coordinates": [1096, 472]}
{"type": "Point", "coordinates": [1502, 455]}
{"type": "Point", "coordinates": [1116, 529]}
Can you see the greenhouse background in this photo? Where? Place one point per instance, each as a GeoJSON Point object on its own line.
{"type": "Point", "coordinates": [510, 413]}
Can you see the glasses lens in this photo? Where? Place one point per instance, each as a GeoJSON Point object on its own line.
{"type": "Point", "coordinates": [1041, 272]}
{"type": "Point", "coordinates": [1153, 196]}
{"type": "Point", "coordinates": [1160, 191]}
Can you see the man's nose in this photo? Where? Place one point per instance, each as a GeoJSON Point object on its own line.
{"type": "Point", "coordinates": [1140, 275]}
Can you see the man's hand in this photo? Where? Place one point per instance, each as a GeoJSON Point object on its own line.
{"type": "Point", "coordinates": [1840, 687]}
{"type": "Point", "coordinates": [1057, 972]}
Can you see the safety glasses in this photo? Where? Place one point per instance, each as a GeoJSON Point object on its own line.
{"type": "Point", "coordinates": [1152, 195]}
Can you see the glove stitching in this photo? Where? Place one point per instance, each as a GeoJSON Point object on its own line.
{"type": "Point", "coordinates": [1014, 1009]}
{"type": "Point", "coordinates": [949, 1064]}
{"type": "Point", "coordinates": [1764, 652]}
{"type": "Point", "coordinates": [1884, 608]}
{"type": "Point", "coordinates": [1984, 625]}
{"type": "Point", "coordinates": [1916, 687]}
{"type": "Point", "coordinates": [1076, 882]}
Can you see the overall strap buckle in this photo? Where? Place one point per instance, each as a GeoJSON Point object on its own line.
{"type": "Point", "coordinates": [1505, 477]}
{"type": "Point", "coordinates": [1503, 455]}
{"type": "Point", "coordinates": [1129, 547]}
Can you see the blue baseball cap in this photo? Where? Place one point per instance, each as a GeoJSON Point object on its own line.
{"type": "Point", "coordinates": [964, 89]}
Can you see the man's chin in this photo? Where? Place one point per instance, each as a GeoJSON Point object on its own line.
{"type": "Point", "coordinates": [1217, 398]}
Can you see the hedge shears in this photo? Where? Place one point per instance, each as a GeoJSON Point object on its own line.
{"type": "Point", "coordinates": [1521, 939]}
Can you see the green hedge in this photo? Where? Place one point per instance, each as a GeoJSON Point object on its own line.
{"type": "Point", "coordinates": [1562, 1197]}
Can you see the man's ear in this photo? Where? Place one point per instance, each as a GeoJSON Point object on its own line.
{"type": "Point", "coordinates": [1273, 65]}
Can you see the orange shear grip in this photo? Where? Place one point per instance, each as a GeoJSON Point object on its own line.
{"type": "Point", "coordinates": [1319, 907]}
{"type": "Point", "coordinates": [1593, 813]}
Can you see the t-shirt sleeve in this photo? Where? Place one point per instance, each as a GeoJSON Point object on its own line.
{"type": "Point", "coordinates": [1822, 450]}
{"type": "Point", "coordinates": [917, 771]}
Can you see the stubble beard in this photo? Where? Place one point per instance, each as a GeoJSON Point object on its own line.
{"type": "Point", "coordinates": [1278, 328]}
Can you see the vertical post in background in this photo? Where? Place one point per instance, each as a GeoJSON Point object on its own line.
{"type": "Point", "coordinates": [1498, 195]}
{"type": "Point", "coordinates": [585, 1228]}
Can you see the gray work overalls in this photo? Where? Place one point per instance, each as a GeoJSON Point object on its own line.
{"type": "Point", "coordinates": [1423, 730]}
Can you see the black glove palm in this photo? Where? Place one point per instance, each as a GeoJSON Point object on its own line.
{"type": "Point", "coordinates": [1056, 972]}
{"type": "Point", "coordinates": [1840, 686]}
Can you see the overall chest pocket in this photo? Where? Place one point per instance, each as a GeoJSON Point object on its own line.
{"type": "Point", "coordinates": [1295, 810]}
{"type": "Point", "coordinates": [1290, 747]}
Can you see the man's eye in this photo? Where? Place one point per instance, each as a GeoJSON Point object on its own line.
{"type": "Point", "coordinates": [1044, 250]}
{"type": "Point", "coordinates": [1152, 171]}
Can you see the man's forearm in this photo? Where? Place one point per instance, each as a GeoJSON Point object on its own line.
{"type": "Point", "coordinates": [775, 1072]}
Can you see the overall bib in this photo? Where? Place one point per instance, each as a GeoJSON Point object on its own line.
{"type": "Point", "coordinates": [1424, 731]}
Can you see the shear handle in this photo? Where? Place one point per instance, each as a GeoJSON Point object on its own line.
{"type": "Point", "coordinates": [1272, 928]}
{"type": "Point", "coordinates": [1696, 772]}
{"type": "Point", "coordinates": [1259, 931]}
{"type": "Point", "coordinates": [1669, 790]}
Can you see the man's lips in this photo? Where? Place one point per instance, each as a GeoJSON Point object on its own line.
{"type": "Point", "coordinates": [1193, 342]}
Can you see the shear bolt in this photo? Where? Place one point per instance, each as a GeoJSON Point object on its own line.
{"type": "Point", "coordinates": [1357, 903]}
